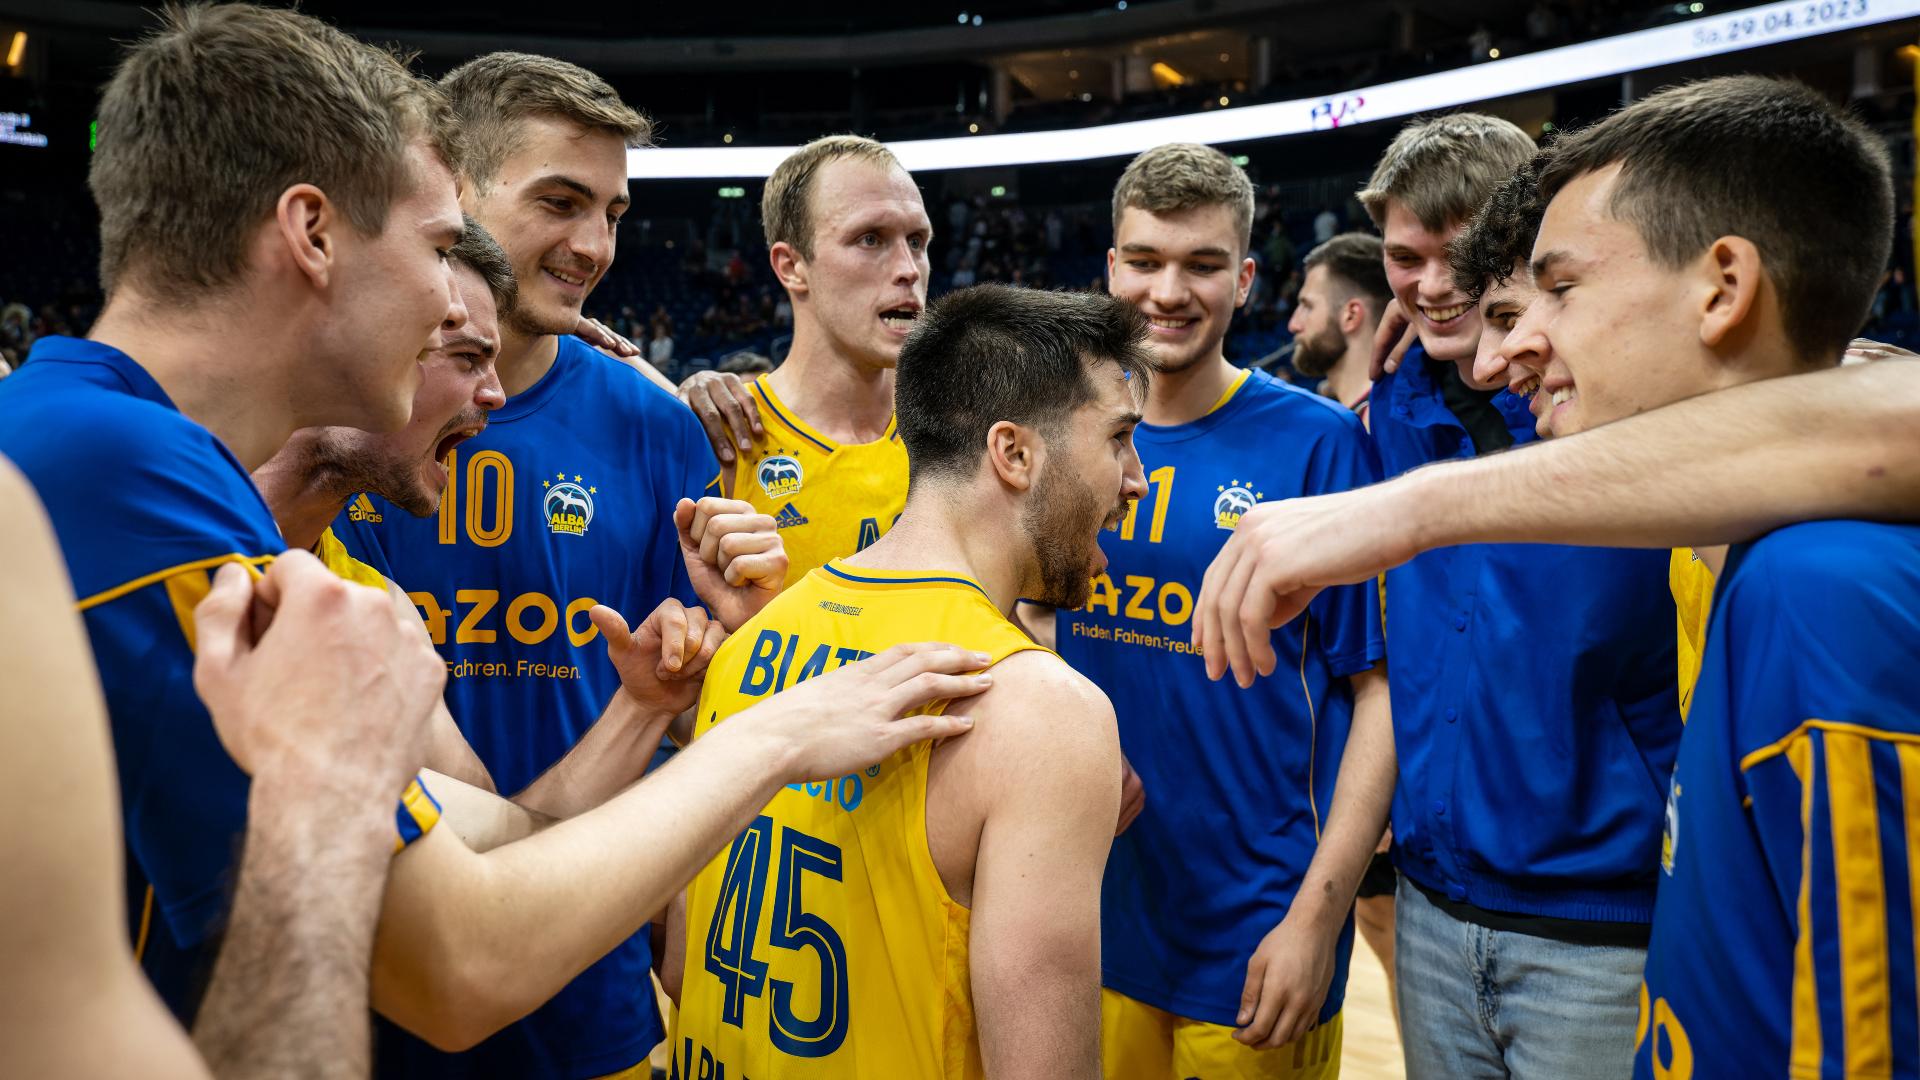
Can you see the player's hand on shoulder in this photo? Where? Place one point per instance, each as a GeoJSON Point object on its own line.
{"type": "Point", "coordinates": [1865, 350]}
{"type": "Point", "coordinates": [662, 661]}
{"type": "Point", "coordinates": [1391, 340]}
{"type": "Point", "coordinates": [856, 716]}
{"type": "Point", "coordinates": [310, 678]}
{"type": "Point", "coordinates": [602, 337]}
{"type": "Point", "coordinates": [726, 410]}
{"type": "Point", "coordinates": [734, 555]}
{"type": "Point", "coordinates": [1279, 558]}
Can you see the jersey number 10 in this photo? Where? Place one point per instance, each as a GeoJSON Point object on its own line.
{"type": "Point", "coordinates": [736, 920]}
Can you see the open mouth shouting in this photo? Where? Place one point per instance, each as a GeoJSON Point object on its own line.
{"type": "Point", "coordinates": [462, 430]}
{"type": "Point", "coordinates": [900, 318]}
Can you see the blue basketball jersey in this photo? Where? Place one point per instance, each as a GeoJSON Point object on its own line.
{"type": "Point", "coordinates": [564, 502]}
{"type": "Point", "coordinates": [1783, 932]}
{"type": "Point", "coordinates": [147, 504]}
{"type": "Point", "coordinates": [1238, 781]}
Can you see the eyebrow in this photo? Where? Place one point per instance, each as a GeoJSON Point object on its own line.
{"type": "Point", "coordinates": [487, 346]}
{"type": "Point", "coordinates": [1149, 249]}
{"type": "Point", "coordinates": [1128, 418]}
{"type": "Point", "coordinates": [583, 190]}
{"type": "Point", "coordinates": [1545, 263]}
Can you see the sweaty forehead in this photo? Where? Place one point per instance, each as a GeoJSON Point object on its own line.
{"type": "Point", "coordinates": [853, 190]}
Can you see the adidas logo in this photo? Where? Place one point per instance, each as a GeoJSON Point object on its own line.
{"type": "Point", "coordinates": [361, 509]}
{"type": "Point", "coordinates": [788, 517]}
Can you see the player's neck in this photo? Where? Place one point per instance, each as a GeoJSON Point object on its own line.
{"type": "Point", "coordinates": [302, 494]}
{"type": "Point", "coordinates": [946, 531]}
{"type": "Point", "coordinates": [1347, 380]}
{"type": "Point", "coordinates": [525, 357]}
{"type": "Point", "coordinates": [848, 402]}
{"type": "Point", "coordinates": [1181, 397]}
{"type": "Point", "coordinates": [228, 369]}
{"type": "Point", "coordinates": [1715, 557]}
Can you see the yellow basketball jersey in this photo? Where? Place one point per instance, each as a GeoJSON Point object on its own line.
{"type": "Point", "coordinates": [1692, 586]}
{"type": "Point", "coordinates": [335, 557]}
{"type": "Point", "coordinates": [822, 943]}
{"type": "Point", "coordinates": [828, 500]}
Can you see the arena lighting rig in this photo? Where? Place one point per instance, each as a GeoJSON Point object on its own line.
{"type": "Point", "coordinates": [1603, 58]}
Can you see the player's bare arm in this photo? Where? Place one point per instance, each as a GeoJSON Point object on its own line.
{"type": "Point", "coordinates": [728, 413]}
{"type": "Point", "coordinates": [469, 942]}
{"type": "Point", "coordinates": [1289, 974]}
{"type": "Point", "coordinates": [76, 1003]}
{"type": "Point", "coordinates": [1715, 469]}
{"type": "Point", "coordinates": [327, 709]}
{"type": "Point", "coordinates": [1025, 809]}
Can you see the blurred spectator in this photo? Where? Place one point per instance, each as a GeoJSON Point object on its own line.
{"type": "Point", "coordinates": [1325, 224]}
{"type": "Point", "coordinates": [660, 346]}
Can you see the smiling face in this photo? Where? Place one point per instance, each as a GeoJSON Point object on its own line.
{"type": "Point", "coordinates": [553, 205]}
{"type": "Point", "coordinates": [457, 391]}
{"type": "Point", "coordinates": [1622, 332]}
{"type": "Point", "coordinates": [1421, 277]}
{"type": "Point", "coordinates": [866, 281]}
{"type": "Point", "coordinates": [1185, 272]}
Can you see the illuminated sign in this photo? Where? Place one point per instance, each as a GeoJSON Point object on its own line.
{"type": "Point", "coordinates": [1600, 59]}
{"type": "Point", "coordinates": [12, 130]}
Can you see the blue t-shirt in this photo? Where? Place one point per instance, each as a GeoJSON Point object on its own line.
{"type": "Point", "coordinates": [565, 501]}
{"type": "Point", "coordinates": [1535, 708]}
{"type": "Point", "coordinates": [1783, 940]}
{"type": "Point", "coordinates": [1238, 782]}
{"type": "Point", "coordinates": [146, 504]}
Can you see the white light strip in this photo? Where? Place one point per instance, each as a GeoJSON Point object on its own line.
{"type": "Point", "coordinates": [1732, 32]}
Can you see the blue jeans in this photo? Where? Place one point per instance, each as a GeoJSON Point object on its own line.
{"type": "Point", "coordinates": [1476, 1002]}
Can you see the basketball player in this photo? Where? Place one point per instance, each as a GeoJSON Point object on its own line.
{"type": "Point", "coordinates": [1548, 884]}
{"type": "Point", "coordinates": [1339, 307]}
{"type": "Point", "coordinates": [1242, 954]}
{"type": "Point", "coordinates": [847, 236]}
{"type": "Point", "coordinates": [1726, 465]}
{"type": "Point", "coordinates": [566, 501]}
{"type": "Point", "coordinates": [147, 501]}
{"type": "Point", "coordinates": [938, 915]}
{"type": "Point", "coordinates": [75, 1001]}
{"type": "Point", "coordinates": [333, 321]}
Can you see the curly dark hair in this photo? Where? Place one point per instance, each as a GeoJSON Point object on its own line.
{"type": "Point", "coordinates": [1500, 234]}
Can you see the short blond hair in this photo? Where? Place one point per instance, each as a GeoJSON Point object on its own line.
{"type": "Point", "coordinates": [1444, 167]}
{"type": "Point", "coordinates": [212, 116]}
{"type": "Point", "coordinates": [1181, 176]}
{"type": "Point", "coordinates": [494, 93]}
{"type": "Point", "coordinates": [786, 206]}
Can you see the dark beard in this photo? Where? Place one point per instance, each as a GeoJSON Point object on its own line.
{"type": "Point", "coordinates": [352, 469]}
{"type": "Point", "coordinates": [1315, 355]}
{"type": "Point", "coordinates": [1059, 521]}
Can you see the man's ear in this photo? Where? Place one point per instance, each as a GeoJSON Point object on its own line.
{"type": "Point", "coordinates": [304, 225]}
{"type": "Point", "coordinates": [1353, 315]}
{"type": "Point", "coordinates": [1014, 452]}
{"type": "Point", "coordinates": [1733, 279]}
{"type": "Point", "coordinates": [1243, 288]}
{"type": "Point", "coordinates": [790, 267]}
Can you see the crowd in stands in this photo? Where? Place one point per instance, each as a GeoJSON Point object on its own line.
{"type": "Point", "coordinates": [694, 295]}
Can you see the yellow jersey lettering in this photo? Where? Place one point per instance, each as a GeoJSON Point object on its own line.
{"type": "Point", "coordinates": [1141, 586]}
{"type": "Point", "coordinates": [516, 625]}
{"type": "Point", "coordinates": [483, 601]}
{"type": "Point", "coordinates": [1104, 596]}
{"type": "Point", "coordinates": [577, 634]}
{"type": "Point", "coordinates": [432, 614]}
